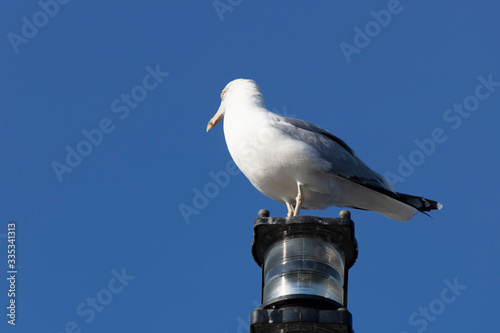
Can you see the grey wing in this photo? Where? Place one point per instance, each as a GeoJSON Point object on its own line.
{"type": "Point", "coordinates": [344, 161]}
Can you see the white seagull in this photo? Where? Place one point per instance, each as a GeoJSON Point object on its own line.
{"type": "Point", "coordinates": [302, 165]}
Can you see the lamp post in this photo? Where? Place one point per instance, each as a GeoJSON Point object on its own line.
{"type": "Point", "coordinates": [305, 262]}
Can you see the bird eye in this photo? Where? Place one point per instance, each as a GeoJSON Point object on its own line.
{"type": "Point", "coordinates": [222, 94]}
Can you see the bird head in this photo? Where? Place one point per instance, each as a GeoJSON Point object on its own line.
{"type": "Point", "coordinates": [237, 91]}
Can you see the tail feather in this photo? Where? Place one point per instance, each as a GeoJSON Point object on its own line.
{"type": "Point", "coordinates": [397, 206]}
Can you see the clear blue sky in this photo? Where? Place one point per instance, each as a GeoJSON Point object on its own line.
{"type": "Point", "coordinates": [104, 109]}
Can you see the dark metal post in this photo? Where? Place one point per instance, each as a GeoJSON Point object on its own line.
{"type": "Point", "coordinates": [304, 261]}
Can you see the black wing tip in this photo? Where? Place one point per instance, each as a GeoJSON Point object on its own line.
{"type": "Point", "coordinates": [420, 203]}
{"type": "Point", "coordinates": [429, 205]}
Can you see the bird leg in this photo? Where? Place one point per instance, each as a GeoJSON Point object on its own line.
{"type": "Point", "coordinates": [290, 209]}
{"type": "Point", "coordinates": [298, 200]}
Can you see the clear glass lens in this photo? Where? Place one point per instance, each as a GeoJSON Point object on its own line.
{"type": "Point", "coordinates": [307, 265]}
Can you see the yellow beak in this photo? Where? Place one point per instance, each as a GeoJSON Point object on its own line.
{"type": "Point", "coordinates": [216, 118]}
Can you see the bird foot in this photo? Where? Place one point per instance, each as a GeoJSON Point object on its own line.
{"type": "Point", "coordinates": [290, 209]}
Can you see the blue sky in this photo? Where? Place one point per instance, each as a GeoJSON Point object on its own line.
{"type": "Point", "coordinates": [103, 118]}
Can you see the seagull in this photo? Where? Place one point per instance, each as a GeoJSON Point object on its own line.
{"type": "Point", "coordinates": [302, 165]}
